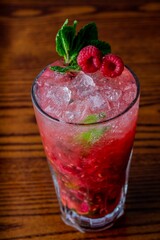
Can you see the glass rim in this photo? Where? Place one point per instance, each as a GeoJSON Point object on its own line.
{"type": "Point", "coordinates": [35, 103]}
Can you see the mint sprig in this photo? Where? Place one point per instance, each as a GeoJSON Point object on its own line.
{"type": "Point", "coordinates": [68, 44]}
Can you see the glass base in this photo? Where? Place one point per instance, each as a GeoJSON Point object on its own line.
{"type": "Point", "coordinates": [84, 224]}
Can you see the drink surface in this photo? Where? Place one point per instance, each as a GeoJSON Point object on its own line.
{"type": "Point", "coordinates": [72, 97]}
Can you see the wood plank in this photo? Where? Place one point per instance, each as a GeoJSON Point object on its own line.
{"type": "Point", "coordinates": [28, 203]}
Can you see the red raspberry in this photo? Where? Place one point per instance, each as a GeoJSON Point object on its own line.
{"type": "Point", "coordinates": [112, 65]}
{"type": "Point", "coordinates": [89, 59]}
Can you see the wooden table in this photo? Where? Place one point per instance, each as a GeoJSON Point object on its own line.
{"type": "Point", "coordinates": [28, 205]}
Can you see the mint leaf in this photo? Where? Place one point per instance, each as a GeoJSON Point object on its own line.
{"type": "Point", "coordinates": [92, 136]}
{"type": "Point", "coordinates": [86, 34]}
{"type": "Point", "coordinates": [65, 69]}
{"type": "Point", "coordinates": [93, 118]}
{"type": "Point", "coordinates": [68, 44]}
{"type": "Point", "coordinates": [102, 46]}
{"type": "Point", "coordinates": [59, 42]}
{"type": "Point", "coordinates": [64, 40]}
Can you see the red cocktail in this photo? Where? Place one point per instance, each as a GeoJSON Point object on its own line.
{"type": "Point", "coordinates": [87, 122]}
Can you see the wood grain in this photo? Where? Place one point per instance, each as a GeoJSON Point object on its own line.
{"type": "Point", "coordinates": [28, 204]}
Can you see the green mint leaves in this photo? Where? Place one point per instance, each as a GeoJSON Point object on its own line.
{"type": "Point", "coordinates": [65, 69]}
{"type": "Point", "coordinates": [102, 46]}
{"type": "Point", "coordinates": [64, 40]}
{"type": "Point", "coordinates": [84, 37]}
{"type": "Point", "coordinates": [69, 44]}
{"type": "Point", "coordinates": [91, 136]}
{"type": "Point", "coordinates": [93, 118]}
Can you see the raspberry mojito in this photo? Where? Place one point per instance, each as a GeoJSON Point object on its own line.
{"type": "Point", "coordinates": [86, 106]}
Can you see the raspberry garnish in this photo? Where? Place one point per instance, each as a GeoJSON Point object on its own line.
{"type": "Point", "coordinates": [89, 59]}
{"type": "Point", "coordinates": [112, 65]}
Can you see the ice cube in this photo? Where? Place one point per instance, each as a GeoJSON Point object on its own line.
{"type": "Point", "coordinates": [128, 96]}
{"type": "Point", "coordinates": [76, 111]}
{"type": "Point", "coordinates": [83, 84]}
{"type": "Point", "coordinates": [66, 94]}
{"type": "Point", "coordinates": [114, 94]}
{"type": "Point", "coordinates": [52, 111]}
{"type": "Point", "coordinates": [84, 80]}
{"type": "Point", "coordinates": [68, 116]}
{"type": "Point", "coordinates": [59, 95]}
{"type": "Point", "coordinates": [96, 102]}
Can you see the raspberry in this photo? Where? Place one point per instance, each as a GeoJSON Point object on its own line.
{"type": "Point", "coordinates": [89, 59]}
{"type": "Point", "coordinates": [112, 65]}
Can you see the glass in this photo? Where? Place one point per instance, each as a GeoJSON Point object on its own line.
{"type": "Point", "coordinates": [90, 177]}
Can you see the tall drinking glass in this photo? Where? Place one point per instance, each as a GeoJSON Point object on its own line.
{"type": "Point", "coordinates": [89, 164]}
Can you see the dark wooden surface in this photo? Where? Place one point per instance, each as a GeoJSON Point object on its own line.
{"type": "Point", "coordinates": [28, 205]}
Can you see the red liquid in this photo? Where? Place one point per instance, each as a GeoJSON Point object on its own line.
{"type": "Point", "coordinates": [90, 179]}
